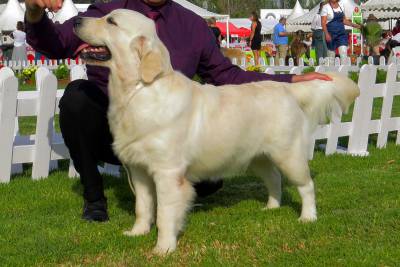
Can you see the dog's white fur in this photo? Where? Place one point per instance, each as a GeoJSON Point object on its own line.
{"type": "Point", "coordinates": [170, 131]}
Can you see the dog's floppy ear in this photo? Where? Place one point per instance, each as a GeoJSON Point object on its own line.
{"type": "Point", "coordinates": [150, 59]}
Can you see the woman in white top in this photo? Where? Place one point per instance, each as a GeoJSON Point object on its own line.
{"type": "Point", "coordinates": [333, 19]}
{"type": "Point", "coordinates": [319, 41]}
{"type": "Point", "coordinates": [19, 51]}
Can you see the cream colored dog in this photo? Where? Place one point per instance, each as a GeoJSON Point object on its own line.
{"type": "Point", "coordinates": [171, 132]}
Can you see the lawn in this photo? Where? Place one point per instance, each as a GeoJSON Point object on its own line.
{"type": "Point", "coordinates": [357, 198]}
{"type": "Point", "coordinates": [358, 202]}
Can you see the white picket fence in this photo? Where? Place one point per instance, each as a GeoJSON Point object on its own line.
{"type": "Point", "coordinates": [50, 63]}
{"type": "Point", "coordinates": [45, 147]}
{"type": "Point", "coordinates": [328, 63]}
{"type": "Point", "coordinates": [242, 62]}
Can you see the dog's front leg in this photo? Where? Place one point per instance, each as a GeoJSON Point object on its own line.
{"type": "Point", "coordinates": [174, 196]}
{"type": "Point", "coordinates": [145, 201]}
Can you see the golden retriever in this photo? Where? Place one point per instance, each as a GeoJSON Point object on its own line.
{"type": "Point", "coordinates": [171, 132]}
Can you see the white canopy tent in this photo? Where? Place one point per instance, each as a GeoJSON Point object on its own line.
{"type": "Point", "coordinates": [382, 9]}
{"type": "Point", "coordinates": [382, 5]}
{"type": "Point", "coordinates": [11, 14]}
{"type": "Point", "coordinates": [297, 11]}
{"type": "Point", "coordinates": [67, 11]}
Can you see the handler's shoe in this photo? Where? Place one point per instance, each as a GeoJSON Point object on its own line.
{"type": "Point", "coordinates": [95, 211]}
{"type": "Point", "coordinates": [206, 188]}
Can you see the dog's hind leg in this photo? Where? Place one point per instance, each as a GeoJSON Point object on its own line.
{"type": "Point", "coordinates": [174, 197]}
{"type": "Point", "coordinates": [266, 169]}
{"type": "Point", "coordinates": [294, 164]}
{"type": "Point", "coordinates": [145, 201]}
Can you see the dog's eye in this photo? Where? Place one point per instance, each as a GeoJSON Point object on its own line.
{"type": "Point", "coordinates": [110, 20]}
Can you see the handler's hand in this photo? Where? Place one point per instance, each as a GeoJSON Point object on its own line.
{"type": "Point", "coordinates": [310, 76]}
{"type": "Point", "coordinates": [328, 37]}
{"type": "Point", "coordinates": [35, 8]}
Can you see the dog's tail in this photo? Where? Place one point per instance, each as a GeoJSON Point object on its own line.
{"type": "Point", "coordinates": [320, 99]}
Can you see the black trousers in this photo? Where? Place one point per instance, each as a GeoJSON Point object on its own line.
{"type": "Point", "coordinates": [84, 127]}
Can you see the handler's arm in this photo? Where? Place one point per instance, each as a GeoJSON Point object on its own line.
{"type": "Point", "coordinates": [216, 69]}
{"type": "Point", "coordinates": [325, 28]}
{"type": "Point", "coordinates": [348, 22]}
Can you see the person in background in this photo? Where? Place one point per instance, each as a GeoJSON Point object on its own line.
{"type": "Point", "coordinates": [333, 20]}
{"type": "Point", "coordinates": [212, 24]}
{"type": "Point", "coordinates": [223, 44]}
{"type": "Point", "coordinates": [255, 36]}
{"type": "Point", "coordinates": [281, 40]}
{"type": "Point", "coordinates": [396, 28]}
{"type": "Point", "coordinates": [318, 35]}
{"type": "Point", "coordinates": [19, 51]}
{"type": "Point", "coordinates": [372, 32]}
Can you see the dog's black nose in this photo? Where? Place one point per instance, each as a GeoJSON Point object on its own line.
{"type": "Point", "coordinates": [77, 22]}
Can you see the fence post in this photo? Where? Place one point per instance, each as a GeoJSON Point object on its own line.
{"type": "Point", "coordinates": [243, 63]}
{"type": "Point", "coordinates": [358, 139]}
{"type": "Point", "coordinates": [272, 61]}
{"type": "Point", "coordinates": [261, 61]}
{"type": "Point", "coordinates": [8, 110]}
{"type": "Point", "coordinates": [44, 126]}
{"type": "Point", "coordinates": [388, 94]}
{"type": "Point", "coordinates": [40, 74]}
{"type": "Point", "coordinates": [290, 62]}
{"type": "Point", "coordinates": [358, 61]}
{"type": "Point", "coordinates": [382, 61]}
{"type": "Point", "coordinates": [5, 73]}
{"type": "Point", "coordinates": [234, 61]}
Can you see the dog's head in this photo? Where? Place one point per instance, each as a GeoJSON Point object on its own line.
{"type": "Point", "coordinates": [126, 42]}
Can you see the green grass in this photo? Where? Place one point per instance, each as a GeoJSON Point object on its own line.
{"type": "Point", "coordinates": [357, 198]}
{"type": "Point", "coordinates": [358, 204]}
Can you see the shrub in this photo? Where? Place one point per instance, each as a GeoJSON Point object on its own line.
{"type": "Point", "coordinates": [27, 74]}
{"type": "Point", "coordinates": [254, 68]}
{"type": "Point", "coordinates": [62, 72]}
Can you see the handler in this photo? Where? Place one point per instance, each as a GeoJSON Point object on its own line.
{"type": "Point", "coordinates": [83, 107]}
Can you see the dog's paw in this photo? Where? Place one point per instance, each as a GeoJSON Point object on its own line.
{"type": "Point", "coordinates": [272, 204]}
{"type": "Point", "coordinates": [137, 231]}
{"type": "Point", "coordinates": [308, 219]}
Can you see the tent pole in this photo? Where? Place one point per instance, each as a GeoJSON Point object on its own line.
{"type": "Point", "coordinates": [227, 32]}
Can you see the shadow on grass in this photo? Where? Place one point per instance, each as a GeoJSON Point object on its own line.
{"type": "Point", "coordinates": [234, 191]}
{"type": "Point", "coordinates": [238, 189]}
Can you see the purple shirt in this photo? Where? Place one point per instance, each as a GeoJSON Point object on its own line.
{"type": "Point", "coordinates": [190, 42]}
